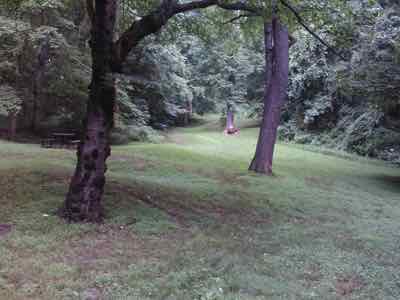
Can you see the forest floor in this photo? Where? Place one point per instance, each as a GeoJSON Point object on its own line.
{"type": "Point", "coordinates": [185, 220]}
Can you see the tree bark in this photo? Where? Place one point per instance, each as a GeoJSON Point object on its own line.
{"type": "Point", "coordinates": [275, 93]}
{"type": "Point", "coordinates": [42, 60]}
{"type": "Point", "coordinates": [83, 201]}
{"type": "Point", "coordinates": [12, 129]}
{"type": "Point", "coordinates": [189, 108]}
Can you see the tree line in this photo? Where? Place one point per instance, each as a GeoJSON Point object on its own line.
{"type": "Point", "coordinates": [109, 51]}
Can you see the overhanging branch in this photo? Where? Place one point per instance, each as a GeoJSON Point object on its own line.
{"type": "Point", "coordinates": [181, 8]}
{"type": "Point", "coordinates": [155, 20]}
{"type": "Point", "coordinates": [90, 10]}
{"type": "Point", "coordinates": [309, 30]}
{"type": "Point", "coordinates": [238, 18]}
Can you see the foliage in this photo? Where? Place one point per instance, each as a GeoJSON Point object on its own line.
{"type": "Point", "coordinates": [10, 102]}
{"type": "Point", "coordinates": [11, 5]}
{"type": "Point", "coordinates": [202, 57]}
{"type": "Point", "coordinates": [350, 105]}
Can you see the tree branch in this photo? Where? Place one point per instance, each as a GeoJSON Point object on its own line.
{"type": "Point", "coordinates": [292, 40]}
{"type": "Point", "coordinates": [239, 17]}
{"type": "Point", "coordinates": [181, 8]}
{"type": "Point", "coordinates": [155, 20]}
{"type": "Point", "coordinates": [239, 6]}
{"type": "Point", "coordinates": [309, 30]}
{"type": "Point", "coordinates": [90, 10]}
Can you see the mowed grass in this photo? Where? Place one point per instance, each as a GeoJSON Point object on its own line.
{"type": "Point", "coordinates": [185, 220]}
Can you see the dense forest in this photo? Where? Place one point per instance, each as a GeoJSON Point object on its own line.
{"type": "Point", "coordinates": [350, 104]}
{"type": "Point", "coordinates": [176, 110]}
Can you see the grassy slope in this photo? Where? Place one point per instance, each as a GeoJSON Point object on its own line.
{"type": "Point", "coordinates": [187, 221]}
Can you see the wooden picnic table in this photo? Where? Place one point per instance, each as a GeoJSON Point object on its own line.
{"type": "Point", "coordinates": [61, 139]}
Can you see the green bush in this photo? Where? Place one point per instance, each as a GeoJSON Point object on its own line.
{"type": "Point", "coordinates": [125, 135]}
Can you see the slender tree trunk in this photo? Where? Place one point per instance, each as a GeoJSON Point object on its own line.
{"type": "Point", "coordinates": [189, 106]}
{"type": "Point", "coordinates": [42, 60]}
{"type": "Point", "coordinates": [83, 201]}
{"type": "Point", "coordinates": [230, 121]}
{"type": "Point", "coordinates": [189, 112]}
{"type": "Point", "coordinates": [276, 83]}
{"type": "Point", "coordinates": [12, 129]}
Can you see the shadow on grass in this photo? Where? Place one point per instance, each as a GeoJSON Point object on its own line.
{"type": "Point", "coordinates": [388, 182]}
{"type": "Point", "coordinates": [185, 208]}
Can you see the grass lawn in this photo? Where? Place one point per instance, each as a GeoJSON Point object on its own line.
{"type": "Point", "coordinates": [185, 220]}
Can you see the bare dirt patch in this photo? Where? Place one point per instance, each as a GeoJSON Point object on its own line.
{"type": "Point", "coordinates": [346, 285]}
{"type": "Point", "coordinates": [346, 241]}
{"type": "Point", "coordinates": [116, 247]}
{"type": "Point", "coordinates": [312, 275]}
{"type": "Point", "coordinates": [5, 229]}
{"type": "Point", "coordinates": [310, 220]}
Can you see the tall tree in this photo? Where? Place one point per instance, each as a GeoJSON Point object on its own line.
{"type": "Point", "coordinates": [276, 80]}
{"type": "Point", "coordinates": [83, 201]}
{"type": "Point", "coordinates": [277, 17]}
{"type": "Point", "coordinates": [276, 40]}
{"type": "Point", "coordinates": [87, 184]}
{"type": "Point", "coordinates": [10, 106]}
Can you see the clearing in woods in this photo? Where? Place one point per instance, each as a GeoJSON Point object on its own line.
{"type": "Point", "coordinates": [185, 220]}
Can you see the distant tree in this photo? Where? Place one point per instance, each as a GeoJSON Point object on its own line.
{"type": "Point", "coordinates": [230, 120]}
{"type": "Point", "coordinates": [10, 106]}
{"type": "Point", "coordinates": [274, 19]}
{"type": "Point", "coordinates": [277, 43]}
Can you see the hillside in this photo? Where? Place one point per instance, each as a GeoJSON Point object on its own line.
{"type": "Point", "coordinates": [185, 220]}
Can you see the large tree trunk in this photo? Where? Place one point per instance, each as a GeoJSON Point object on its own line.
{"type": "Point", "coordinates": [83, 201]}
{"type": "Point", "coordinates": [276, 84]}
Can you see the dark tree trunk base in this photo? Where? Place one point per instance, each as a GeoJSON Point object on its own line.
{"type": "Point", "coordinates": [69, 217]}
{"type": "Point", "coordinates": [83, 202]}
{"type": "Point", "coordinates": [231, 131]}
